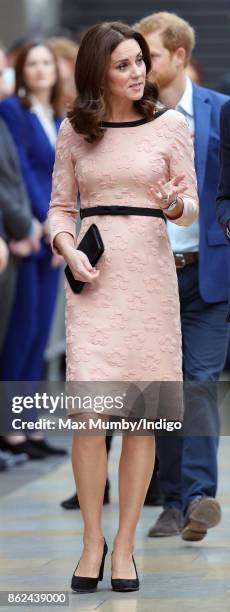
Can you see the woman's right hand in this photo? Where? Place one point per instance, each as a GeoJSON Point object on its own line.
{"type": "Point", "coordinates": [80, 265]}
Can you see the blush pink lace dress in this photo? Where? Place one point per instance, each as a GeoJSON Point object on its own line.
{"type": "Point", "coordinates": [126, 325]}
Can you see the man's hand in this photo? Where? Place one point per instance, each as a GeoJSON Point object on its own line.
{"type": "Point", "coordinates": [36, 236]}
{"type": "Point", "coordinates": [4, 255]}
{"type": "Point", "coordinates": [26, 246]}
{"type": "Point", "coordinates": [20, 248]}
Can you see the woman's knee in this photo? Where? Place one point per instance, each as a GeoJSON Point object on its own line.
{"type": "Point", "coordinates": [89, 443]}
{"type": "Point", "coordinates": [138, 442]}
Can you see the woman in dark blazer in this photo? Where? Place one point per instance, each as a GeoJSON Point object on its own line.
{"type": "Point", "coordinates": [33, 119]}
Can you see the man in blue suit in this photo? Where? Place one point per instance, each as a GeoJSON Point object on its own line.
{"type": "Point", "coordinates": [188, 464]}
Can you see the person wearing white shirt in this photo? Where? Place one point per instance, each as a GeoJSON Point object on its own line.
{"type": "Point", "coordinates": [188, 465]}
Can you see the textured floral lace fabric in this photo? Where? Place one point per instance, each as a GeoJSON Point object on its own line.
{"type": "Point", "coordinates": [126, 325]}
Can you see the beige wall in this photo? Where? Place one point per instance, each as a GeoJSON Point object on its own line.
{"type": "Point", "coordinates": [17, 17]}
{"type": "Point", "coordinates": [12, 20]}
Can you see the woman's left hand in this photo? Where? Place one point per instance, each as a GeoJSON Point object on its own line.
{"type": "Point", "coordinates": [165, 193]}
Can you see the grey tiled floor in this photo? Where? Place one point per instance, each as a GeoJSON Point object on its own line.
{"type": "Point", "coordinates": [40, 544]}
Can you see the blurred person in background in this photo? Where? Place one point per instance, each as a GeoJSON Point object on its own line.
{"type": "Point", "coordinates": [2, 68]}
{"type": "Point", "coordinates": [66, 53]}
{"type": "Point", "coordinates": [224, 84]}
{"type": "Point", "coordinates": [195, 72]}
{"type": "Point", "coordinates": [20, 234]}
{"type": "Point", "coordinates": [33, 117]}
{"type": "Point", "coordinates": [15, 48]}
{"type": "Point", "coordinates": [12, 54]}
{"type": "Point", "coordinates": [4, 254]}
{"type": "Point", "coordinates": [4, 85]}
{"type": "Point", "coordinates": [188, 465]}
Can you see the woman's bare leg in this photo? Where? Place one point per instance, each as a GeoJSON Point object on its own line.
{"type": "Point", "coordinates": [135, 472]}
{"type": "Point", "coordinates": [89, 461]}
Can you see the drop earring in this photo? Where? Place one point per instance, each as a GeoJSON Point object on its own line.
{"type": "Point", "coordinates": [22, 92]}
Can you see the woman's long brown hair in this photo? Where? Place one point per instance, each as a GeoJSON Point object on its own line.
{"type": "Point", "coordinates": [91, 66]}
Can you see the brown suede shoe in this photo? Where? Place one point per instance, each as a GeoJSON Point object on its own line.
{"type": "Point", "coordinates": [169, 523]}
{"type": "Point", "coordinates": [202, 513]}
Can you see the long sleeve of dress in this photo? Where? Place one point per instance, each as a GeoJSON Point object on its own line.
{"type": "Point", "coordinates": [63, 206]}
{"type": "Point", "coordinates": [182, 162]}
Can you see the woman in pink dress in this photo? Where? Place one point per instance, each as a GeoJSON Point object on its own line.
{"type": "Point", "coordinates": [119, 151]}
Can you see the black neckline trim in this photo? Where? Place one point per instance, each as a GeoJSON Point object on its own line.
{"type": "Point", "coordinates": [114, 124]}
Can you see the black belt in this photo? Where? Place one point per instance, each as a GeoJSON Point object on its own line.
{"type": "Point", "coordinates": [121, 210]}
{"type": "Point", "coordinates": [185, 259]}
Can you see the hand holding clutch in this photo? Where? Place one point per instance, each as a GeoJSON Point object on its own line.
{"type": "Point", "coordinates": [82, 261]}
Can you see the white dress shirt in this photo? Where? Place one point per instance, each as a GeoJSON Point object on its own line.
{"type": "Point", "coordinates": [185, 239]}
{"type": "Point", "coordinates": [45, 115]}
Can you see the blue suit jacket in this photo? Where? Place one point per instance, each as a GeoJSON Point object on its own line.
{"type": "Point", "coordinates": [36, 155]}
{"type": "Point", "coordinates": [223, 194]}
{"type": "Point", "coordinates": [213, 250]}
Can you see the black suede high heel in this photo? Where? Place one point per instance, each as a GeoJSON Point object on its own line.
{"type": "Point", "coordinates": [85, 584]}
{"type": "Point", "coordinates": [126, 584]}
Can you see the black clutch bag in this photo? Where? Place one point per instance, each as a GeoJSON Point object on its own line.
{"type": "Point", "coordinates": [92, 245]}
